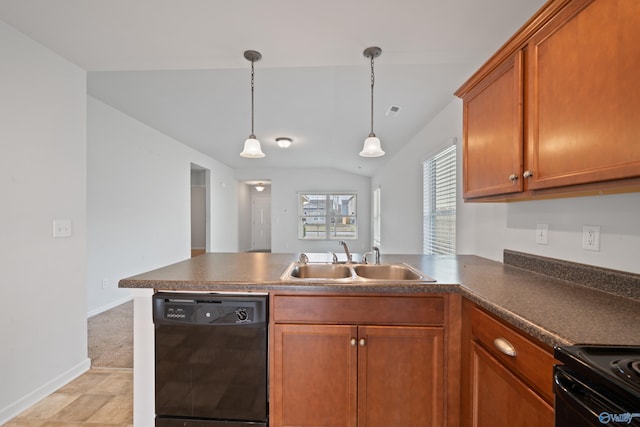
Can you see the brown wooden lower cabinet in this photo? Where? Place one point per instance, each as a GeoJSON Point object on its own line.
{"type": "Point", "coordinates": [506, 375]}
{"type": "Point", "coordinates": [348, 375]}
{"type": "Point", "coordinates": [395, 361]}
{"type": "Point", "coordinates": [499, 399]}
{"type": "Point", "coordinates": [400, 376]}
{"type": "Point", "coordinates": [315, 375]}
{"type": "Point", "coordinates": [364, 360]}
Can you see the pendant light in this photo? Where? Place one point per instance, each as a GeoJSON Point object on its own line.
{"type": "Point", "coordinates": [372, 146]}
{"type": "Point", "coordinates": [252, 148]}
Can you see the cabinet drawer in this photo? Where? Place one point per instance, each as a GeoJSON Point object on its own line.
{"type": "Point", "coordinates": [358, 310]}
{"type": "Point", "coordinates": [532, 363]}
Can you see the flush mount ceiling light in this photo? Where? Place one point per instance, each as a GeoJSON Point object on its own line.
{"type": "Point", "coordinates": [372, 146]}
{"type": "Point", "coordinates": [252, 148]}
{"type": "Point", "coordinates": [259, 187]}
{"type": "Point", "coordinates": [284, 142]}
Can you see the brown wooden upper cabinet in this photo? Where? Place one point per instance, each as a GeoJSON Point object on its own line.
{"type": "Point", "coordinates": [556, 112]}
{"type": "Point", "coordinates": [493, 126]}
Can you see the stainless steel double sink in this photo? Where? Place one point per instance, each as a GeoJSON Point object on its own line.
{"type": "Point", "coordinates": [350, 272]}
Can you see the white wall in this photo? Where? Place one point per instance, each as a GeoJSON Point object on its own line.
{"type": "Point", "coordinates": [486, 229]}
{"type": "Point", "coordinates": [43, 321]}
{"type": "Point", "coordinates": [513, 226]}
{"type": "Point", "coordinates": [139, 183]}
{"type": "Point", "coordinates": [400, 182]}
{"type": "Point", "coordinates": [285, 185]}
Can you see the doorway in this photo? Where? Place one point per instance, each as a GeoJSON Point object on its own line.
{"type": "Point", "coordinates": [199, 210]}
{"type": "Point", "coordinates": [261, 223]}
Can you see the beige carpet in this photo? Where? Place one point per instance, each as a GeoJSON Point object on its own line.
{"type": "Point", "coordinates": [110, 338]}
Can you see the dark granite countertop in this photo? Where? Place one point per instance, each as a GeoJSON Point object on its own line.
{"type": "Point", "coordinates": [553, 310]}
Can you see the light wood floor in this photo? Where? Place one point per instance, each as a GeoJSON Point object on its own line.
{"type": "Point", "coordinates": [97, 398]}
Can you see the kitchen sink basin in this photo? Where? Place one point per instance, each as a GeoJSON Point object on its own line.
{"type": "Point", "coordinates": [387, 272]}
{"type": "Point", "coordinates": [353, 273]}
{"type": "Point", "coordinates": [320, 271]}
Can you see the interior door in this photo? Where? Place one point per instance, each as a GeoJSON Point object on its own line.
{"type": "Point", "coordinates": [261, 232]}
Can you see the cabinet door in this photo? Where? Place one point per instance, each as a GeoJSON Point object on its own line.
{"type": "Point", "coordinates": [315, 374]}
{"type": "Point", "coordinates": [400, 376]}
{"type": "Point", "coordinates": [499, 399]}
{"type": "Point", "coordinates": [583, 96]}
{"type": "Point", "coordinates": [493, 132]}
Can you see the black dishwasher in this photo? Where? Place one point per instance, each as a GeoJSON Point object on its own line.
{"type": "Point", "coordinates": [211, 359]}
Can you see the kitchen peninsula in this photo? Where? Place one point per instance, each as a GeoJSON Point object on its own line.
{"type": "Point", "coordinates": [544, 310]}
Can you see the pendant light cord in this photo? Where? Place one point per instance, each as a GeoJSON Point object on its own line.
{"type": "Point", "coordinates": [372, 83]}
{"type": "Point", "coordinates": [252, 79]}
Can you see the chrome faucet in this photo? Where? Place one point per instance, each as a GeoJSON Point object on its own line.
{"type": "Point", "coordinates": [346, 249]}
{"type": "Point", "coordinates": [304, 258]}
{"type": "Point", "coordinates": [334, 257]}
{"type": "Point", "coordinates": [376, 250]}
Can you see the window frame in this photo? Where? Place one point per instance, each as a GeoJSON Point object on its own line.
{"type": "Point", "coordinates": [326, 217]}
{"type": "Point", "coordinates": [439, 232]}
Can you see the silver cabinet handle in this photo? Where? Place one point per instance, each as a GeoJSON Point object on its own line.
{"type": "Point", "coordinates": [362, 342]}
{"type": "Point", "coordinates": [353, 342]}
{"type": "Point", "coordinates": [513, 177]}
{"type": "Point", "coordinates": [527, 174]}
{"type": "Point", "coordinates": [505, 347]}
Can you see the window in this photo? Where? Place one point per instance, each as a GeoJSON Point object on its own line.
{"type": "Point", "coordinates": [439, 203]}
{"type": "Point", "coordinates": [324, 216]}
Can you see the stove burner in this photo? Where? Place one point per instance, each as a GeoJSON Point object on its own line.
{"type": "Point", "coordinates": [629, 369]}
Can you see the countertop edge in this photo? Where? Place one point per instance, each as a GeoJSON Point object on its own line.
{"type": "Point", "coordinates": [508, 292]}
{"type": "Point", "coordinates": [532, 329]}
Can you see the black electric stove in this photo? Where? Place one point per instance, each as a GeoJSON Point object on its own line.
{"type": "Point", "coordinates": [597, 386]}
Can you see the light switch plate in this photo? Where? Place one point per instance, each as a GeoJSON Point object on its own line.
{"type": "Point", "coordinates": [61, 228]}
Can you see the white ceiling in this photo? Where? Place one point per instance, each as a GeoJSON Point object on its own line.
{"type": "Point", "coordinates": [178, 66]}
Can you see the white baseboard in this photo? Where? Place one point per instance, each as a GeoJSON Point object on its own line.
{"type": "Point", "coordinates": [43, 391]}
{"type": "Point", "coordinates": [109, 306]}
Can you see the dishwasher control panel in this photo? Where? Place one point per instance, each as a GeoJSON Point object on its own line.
{"type": "Point", "coordinates": [175, 313]}
{"type": "Point", "coordinates": [209, 309]}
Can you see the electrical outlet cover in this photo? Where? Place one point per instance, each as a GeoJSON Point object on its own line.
{"type": "Point", "coordinates": [591, 237]}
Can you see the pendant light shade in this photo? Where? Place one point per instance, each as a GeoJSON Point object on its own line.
{"type": "Point", "coordinates": [372, 146]}
{"type": "Point", "coordinates": [252, 149]}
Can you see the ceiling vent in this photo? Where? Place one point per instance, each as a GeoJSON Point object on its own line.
{"type": "Point", "coordinates": [393, 111]}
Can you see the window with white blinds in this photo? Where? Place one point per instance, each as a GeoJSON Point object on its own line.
{"type": "Point", "coordinates": [439, 203]}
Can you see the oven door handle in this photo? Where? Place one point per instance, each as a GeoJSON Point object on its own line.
{"type": "Point", "coordinates": [580, 393]}
{"type": "Point", "coordinates": [568, 386]}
